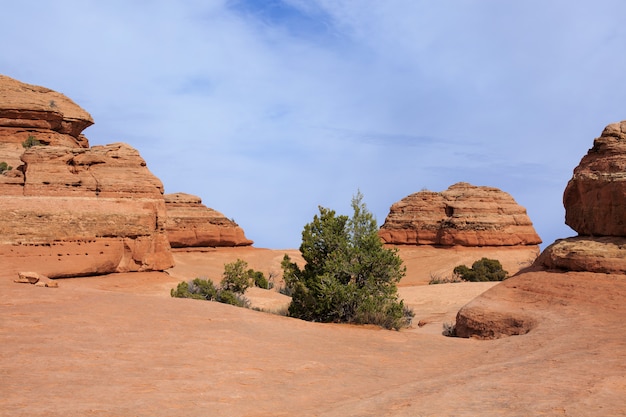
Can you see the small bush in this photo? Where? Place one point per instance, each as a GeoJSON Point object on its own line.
{"type": "Point", "coordinates": [236, 280]}
{"type": "Point", "coordinates": [232, 298]}
{"type": "Point", "coordinates": [439, 279]}
{"type": "Point", "coordinates": [30, 142]}
{"type": "Point", "coordinates": [481, 271]}
{"type": "Point", "coordinates": [5, 167]}
{"type": "Point", "coordinates": [449, 329]}
{"type": "Point", "coordinates": [236, 277]}
{"type": "Point", "coordinates": [259, 279]}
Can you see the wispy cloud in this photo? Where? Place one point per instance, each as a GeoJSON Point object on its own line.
{"type": "Point", "coordinates": [267, 109]}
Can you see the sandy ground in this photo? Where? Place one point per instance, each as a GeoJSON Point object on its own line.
{"type": "Point", "coordinates": [119, 345]}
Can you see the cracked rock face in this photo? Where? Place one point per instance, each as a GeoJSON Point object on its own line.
{"type": "Point", "coordinates": [464, 215]}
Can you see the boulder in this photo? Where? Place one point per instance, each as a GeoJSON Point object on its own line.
{"type": "Point", "coordinates": [464, 215]}
{"type": "Point", "coordinates": [605, 254]}
{"type": "Point", "coordinates": [191, 224]}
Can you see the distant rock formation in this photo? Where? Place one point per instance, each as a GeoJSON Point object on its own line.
{"type": "Point", "coordinates": [595, 207]}
{"type": "Point", "coordinates": [191, 224]}
{"type": "Point", "coordinates": [70, 209]}
{"type": "Point", "coordinates": [464, 215]}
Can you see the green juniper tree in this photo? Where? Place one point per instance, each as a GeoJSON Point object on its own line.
{"type": "Point", "coordinates": [349, 275]}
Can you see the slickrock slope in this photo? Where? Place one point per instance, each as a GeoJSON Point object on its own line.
{"type": "Point", "coordinates": [464, 215]}
{"type": "Point", "coordinates": [121, 346]}
{"type": "Point", "coordinates": [191, 224]}
{"type": "Point", "coordinates": [70, 209]}
{"type": "Point", "coordinates": [594, 203]}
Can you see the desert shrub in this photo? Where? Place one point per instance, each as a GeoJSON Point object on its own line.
{"type": "Point", "coordinates": [204, 287]}
{"type": "Point", "coordinates": [5, 167]}
{"type": "Point", "coordinates": [349, 276]}
{"type": "Point", "coordinates": [199, 289]}
{"type": "Point", "coordinates": [232, 298]}
{"type": "Point", "coordinates": [30, 142]}
{"type": "Point", "coordinates": [439, 279]}
{"type": "Point", "coordinates": [482, 270]}
{"type": "Point", "coordinates": [236, 277]}
{"type": "Point", "coordinates": [259, 279]}
{"type": "Point", "coordinates": [449, 329]}
{"type": "Point", "coordinates": [183, 291]}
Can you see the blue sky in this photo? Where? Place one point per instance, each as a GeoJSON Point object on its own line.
{"type": "Point", "coordinates": [267, 109]}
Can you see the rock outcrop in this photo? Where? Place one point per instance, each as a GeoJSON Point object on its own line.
{"type": "Point", "coordinates": [590, 265]}
{"type": "Point", "coordinates": [71, 209]}
{"type": "Point", "coordinates": [464, 215]}
{"type": "Point", "coordinates": [595, 207]}
{"type": "Point", "coordinates": [595, 197]}
{"type": "Point", "coordinates": [191, 224]}
{"type": "Point", "coordinates": [46, 115]}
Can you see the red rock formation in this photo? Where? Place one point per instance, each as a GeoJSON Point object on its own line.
{"type": "Point", "coordinates": [191, 224]}
{"type": "Point", "coordinates": [605, 254]}
{"type": "Point", "coordinates": [595, 207]}
{"type": "Point", "coordinates": [462, 215]}
{"type": "Point", "coordinates": [72, 209]}
{"type": "Point", "coordinates": [595, 201]}
{"type": "Point", "coordinates": [595, 197]}
{"type": "Point", "coordinates": [29, 110]}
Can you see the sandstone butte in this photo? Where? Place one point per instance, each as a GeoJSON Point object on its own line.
{"type": "Point", "coordinates": [464, 215]}
{"type": "Point", "coordinates": [191, 224]}
{"type": "Point", "coordinates": [588, 268]}
{"type": "Point", "coordinates": [79, 210]}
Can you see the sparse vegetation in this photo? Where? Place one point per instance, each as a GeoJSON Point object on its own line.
{"type": "Point", "coordinates": [482, 270]}
{"type": "Point", "coordinates": [236, 280]}
{"type": "Point", "coordinates": [5, 167]}
{"type": "Point", "coordinates": [31, 141]}
{"type": "Point", "coordinates": [449, 329]}
{"type": "Point", "coordinates": [440, 279]}
{"type": "Point", "coordinates": [349, 276]}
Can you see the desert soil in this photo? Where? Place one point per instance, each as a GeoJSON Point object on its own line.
{"type": "Point", "coordinates": [119, 345]}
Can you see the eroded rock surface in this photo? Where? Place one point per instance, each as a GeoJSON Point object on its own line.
{"type": "Point", "coordinates": [191, 224]}
{"type": "Point", "coordinates": [71, 209]}
{"type": "Point", "coordinates": [464, 215]}
{"type": "Point", "coordinates": [595, 197]}
{"type": "Point", "coordinates": [595, 207]}
{"type": "Point", "coordinates": [590, 264]}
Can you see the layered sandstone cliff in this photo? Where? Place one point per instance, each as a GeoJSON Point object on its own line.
{"type": "Point", "coordinates": [191, 224]}
{"type": "Point", "coordinates": [71, 209]}
{"type": "Point", "coordinates": [464, 215]}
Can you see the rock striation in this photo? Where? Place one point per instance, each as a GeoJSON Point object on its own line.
{"type": "Point", "coordinates": [590, 265]}
{"type": "Point", "coordinates": [595, 207]}
{"type": "Point", "coordinates": [69, 208]}
{"type": "Point", "coordinates": [464, 215]}
{"type": "Point", "coordinates": [595, 197]}
{"type": "Point", "coordinates": [191, 224]}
